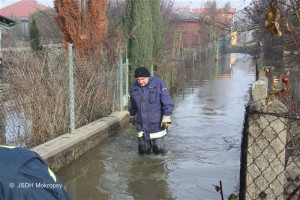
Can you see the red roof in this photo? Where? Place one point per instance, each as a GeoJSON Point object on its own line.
{"type": "Point", "coordinates": [22, 9]}
{"type": "Point", "coordinates": [202, 10]}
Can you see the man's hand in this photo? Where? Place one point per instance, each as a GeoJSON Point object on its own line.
{"type": "Point", "coordinates": [166, 122]}
{"type": "Point", "coordinates": [132, 120]}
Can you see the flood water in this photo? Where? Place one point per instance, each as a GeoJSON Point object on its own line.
{"type": "Point", "coordinates": [203, 145]}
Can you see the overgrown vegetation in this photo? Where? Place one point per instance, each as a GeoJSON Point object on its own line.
{"type": "Point", "coordinates": [38, 91]}
{"type": "Point", "coordinates": [36, 105]}
{"type": "Point", "coordinates": [276, 28]}
{"type": "Point", "coordinates": [82, 23]}
{"type": "Point", "coordinates": [14, 37]}
{"type": "Point", "coordinates": [275, 47]}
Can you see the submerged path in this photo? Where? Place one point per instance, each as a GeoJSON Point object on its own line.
{"type": "Point", "coordinates": [203, 145]}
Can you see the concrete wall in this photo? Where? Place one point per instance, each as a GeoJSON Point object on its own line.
{"type": "Point", "coordinates": [66, 148]}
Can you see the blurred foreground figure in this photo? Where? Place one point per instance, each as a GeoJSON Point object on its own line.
{"type": "Point", "coordinates": [25, 175]}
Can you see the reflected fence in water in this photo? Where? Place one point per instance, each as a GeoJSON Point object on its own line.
{"type": "Point", "coordinates": [13, 125]}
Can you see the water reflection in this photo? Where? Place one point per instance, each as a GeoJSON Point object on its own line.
{"type": "Point", "coordinates": [203, 144]}
{"type": "Point", "coordinates": [207, 130]}
{"type": "Point", "coordinates": [114, 170]}
{"type": "Point", "coordinates": [149, 180]}
{"type": "Point", "coordinates": [14, 128]}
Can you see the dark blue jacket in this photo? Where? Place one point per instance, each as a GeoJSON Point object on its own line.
{"type": "Point", "coordinates": [149, 104]}
{"type": "Point", "coordinates": [24, 175]}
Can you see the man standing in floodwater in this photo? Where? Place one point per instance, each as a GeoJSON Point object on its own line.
{"type": "Point", "coordinates": [150, 110]}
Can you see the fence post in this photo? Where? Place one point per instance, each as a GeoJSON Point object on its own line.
{"type": "Point", "coordinates": [121, 80]}
{"type": "Point", "coordinates": [260, 89]}
{"type": "Point", "coordinates": [266, 150]}
{"type": "Point", "coordinates": [71, 88]}
{"type": "Point", "coordinates": [127, 74]}
{"type": "Point", "coordinates": [151, 70]}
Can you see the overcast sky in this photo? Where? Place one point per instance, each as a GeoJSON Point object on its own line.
{"type": "Point", "coordinates": [238, 4]}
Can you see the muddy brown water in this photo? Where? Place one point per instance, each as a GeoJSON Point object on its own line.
{"type": "Point", "coordinates": [203, 145]}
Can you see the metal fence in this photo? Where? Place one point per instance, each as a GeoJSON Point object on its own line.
{"type": "Point", "coordinates": [271, 147]}
{"type": "Point", "coordinates": [36, 104]}
{"type": "Point", "coordinates": [270, 153]}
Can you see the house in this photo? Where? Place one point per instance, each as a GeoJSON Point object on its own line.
{"type": "Point", "coordinates": [21, 10]}
{"type": "Point", "coordinates": [193, 20]}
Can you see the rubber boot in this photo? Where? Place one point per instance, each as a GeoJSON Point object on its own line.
{"type": "Point", "coordinates": [159, 145]}
{"type": "Point", "coordinates": [144, 146]}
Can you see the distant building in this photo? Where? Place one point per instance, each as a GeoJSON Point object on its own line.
{"type": "Point", "coordinates": [191, 23]}
{"type": "Point", "coordinates": [5, 24]}
{"type": "Point", "coordinates": [22, 10]}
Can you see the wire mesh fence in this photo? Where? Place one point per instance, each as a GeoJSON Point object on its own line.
{"type": "Point", "coordinates": [35, 104]}
{"type": "Point", "coordinates": [270, 157]}
{"type": "Point", "coordinates": [271, 154]}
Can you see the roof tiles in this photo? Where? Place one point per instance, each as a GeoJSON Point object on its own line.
{"type": "Point", "coordinates": [22, 9]}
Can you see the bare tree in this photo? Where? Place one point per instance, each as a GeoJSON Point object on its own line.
{"type": "Point", "coordinates": [275, 26]}
{"type": "Point", "coordinates": [170, 23]}
{"type": "Point", "coordinates": [115, 12]}
{"type": "Point", "coordinates": [49, 31]}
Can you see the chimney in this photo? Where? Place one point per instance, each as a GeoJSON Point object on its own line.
{"type": "Point", "coordinates": [191, 8]}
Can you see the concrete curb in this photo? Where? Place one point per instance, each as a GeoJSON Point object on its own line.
{"type": "Point", "coordinates": [66, 148]}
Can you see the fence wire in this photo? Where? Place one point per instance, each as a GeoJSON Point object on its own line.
{"type": "Point", "coordinates": [35, 94]}
{"type": "Point", "coordinates": [270, 157]}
